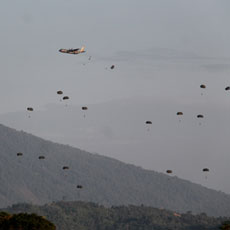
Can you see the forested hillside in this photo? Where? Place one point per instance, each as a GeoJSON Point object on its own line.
{"type": "Point", "coordinates": [88, 216]}
{"type": "Point", "coordinates": [45, 171]}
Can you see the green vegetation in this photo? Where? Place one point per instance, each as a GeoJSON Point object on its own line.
{"type": "Point", "coordinates": [88, 216]}
{"type": "Point", "coordinates": [24, 221]}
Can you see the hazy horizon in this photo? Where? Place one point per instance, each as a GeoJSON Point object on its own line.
{"type": "Point", "coordinates": [162, 51]}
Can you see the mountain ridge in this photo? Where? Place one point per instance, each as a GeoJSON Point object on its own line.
{"type": "Point", "coordinates": [105, 180]}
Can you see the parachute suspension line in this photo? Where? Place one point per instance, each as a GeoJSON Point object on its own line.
{"type": "Point", "coordinates": [200, 116]}
{"type": "Point", "coordinates": [148, 123]}
{"type": "Point", "coordinates": [84, 108]}
{"type": "Point", "coordinates": [79, 187]}
{"type": "Point", "coordinates": [179, 114]}
{"type": "Point", "coordinates": [202, 87]}
{"type": "Point", "coordinates": [65, 98]}
{"type": "Point", "coordinates": [206, 170]}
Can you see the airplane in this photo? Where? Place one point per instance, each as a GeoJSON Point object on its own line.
{"type": "Point", "coordinates": [73, 51]}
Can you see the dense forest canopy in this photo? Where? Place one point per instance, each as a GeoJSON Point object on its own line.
{"type": "Point", "coordinates": [88, 216]}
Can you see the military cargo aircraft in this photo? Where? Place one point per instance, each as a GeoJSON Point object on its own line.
{"type": "Point", "coordinates": [73, 51]}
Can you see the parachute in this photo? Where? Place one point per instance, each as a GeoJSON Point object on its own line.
{"type": "Point", "coordinates": [205, 170]}
{"type": "Point", "coordinates": [59, 92]}
{"type": "Point", "coordinates": [65, 98]}
{"type": "Point", "coordinates": [79, 187]}
{"type": "Point", "coordinates": [179, 114]}
{"type": "Point", "coordinates": [84, 108]}
{"type": "Point", "coordinates": [19, 155]}
{"type": "Point", "coordinates": [148, 123]}
{"type": "Point", "coordinates": [41, 157]}
{"type": "Point", "coordinates": [203, 86]}
{"type": "Point", "coordinates": [65, 167]}
{"type": "Point", "coordinates": [30, 109]}
{"type": "Point", "coordinates": [227, 88]}
{"type": "Point", "coordinates": [200, 116]}
{"type": "Point", "coordinates": [168, 171]}
{"type": "Point", "coordinates": [112, 67]}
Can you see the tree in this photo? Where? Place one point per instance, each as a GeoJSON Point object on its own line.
{"type": "Point", "coordinates": [24, 221]}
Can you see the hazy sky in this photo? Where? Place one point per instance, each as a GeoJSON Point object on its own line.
{"type": "Point", "coordinates": [162, 51]}
{"type": "Point", "coordinates": [33, 31]}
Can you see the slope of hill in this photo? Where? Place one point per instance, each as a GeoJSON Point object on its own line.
{"type": "Point", "coordinates": [117, 130]}
{"type": "Point", "coordinates": [106, 181]}
{"type": "Point", "coordinates": [87, 216]}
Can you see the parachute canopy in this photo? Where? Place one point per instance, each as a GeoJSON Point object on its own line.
{"type": "Point", "coordinates": [41, 157]}
{"type": "Point", "coordinates": [79, 186]}
{"type": "Point", "coordinates": [30, 109]}
{"type": "Point", "coordinates": [168, 171]}
{"type": "Point", "coordinates": [59, 92]}
{"type": "Point", "coordinates": [179, 113]}
{"type": "Point", "coordinates": [227, 88]}
{"type": "Point", "coordinates": [65, 98]}
{"type": "Point", "coordinates": [112, 67]}
{"type": "Point", "coordinates": [19, 154]}
{"type": "Point", "coordinates": [200, 116]}
{"type": "Point", "coordinates": [84, 108]}
{"type": "Point", "coordinates": [148, 122]}
{"type": "Point", "coordinates": [65, 167]}
{"type": "Point", "coordinates": [202, 86]}
{"type": "Point", "coordinates": [205, 170]}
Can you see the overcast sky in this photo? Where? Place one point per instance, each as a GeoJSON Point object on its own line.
{"type": "Point", "coordinates": [162, 51]}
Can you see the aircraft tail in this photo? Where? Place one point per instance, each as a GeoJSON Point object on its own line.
{"type": "Point", "coordinates": [82, 49]}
